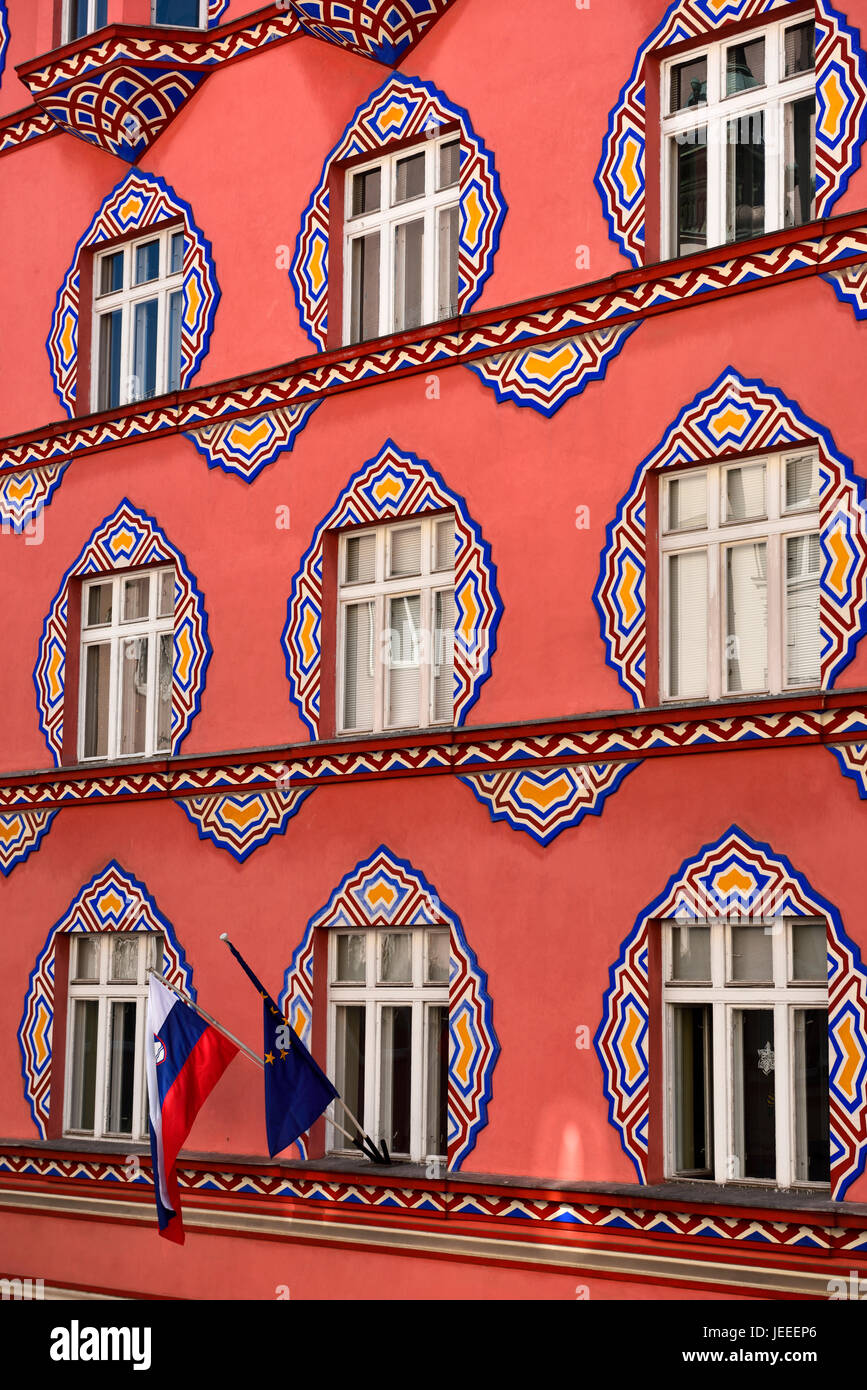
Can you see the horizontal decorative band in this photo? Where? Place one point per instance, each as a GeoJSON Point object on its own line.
{"type": "Point", "coordinates": [468, 752]}
{"type": "Point", "coordinates": [629, 297]}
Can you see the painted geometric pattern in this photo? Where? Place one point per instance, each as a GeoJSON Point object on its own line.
{"type": "Point", "coordinates": [23, 495]}
{"type": "Point", "coordinates": [127, 539]}
{"type": "Point", "coordinates": [244, 822]}
{"type": "Point", "coordinates": [245, 447]}
{"type": "Point", "coordinates": [122, 109]}
{"type": "Point", "coordinates": [736, 414]}
{"type": "Point", "coordinates": [112, 901]}
{"type": "Point", "coordinates": [402, 108]}
{"type": "Point", "coordinates": [216, 10]}
{"type": "Point", "coordinates": [139, 202]}
{"type": "Point", "coordinates": [737, 877]}
{"type": "Point", "coordinates": [841, 92]}
{"type": "Point", "coordinates": [397, 484]}
{"type": "Point", "coordinates": [4, 35]}
{"type": "Point", "coordinates": [547, 801]}
{"type": "Point", "coordinates": [852, 758]}
{"type": "Point", "coordinates": [20, 834]}
{"type": "Point", "coordinates": [381, 29]}
{"type": "Point", "coordinates": [850, 287]}
{"type": "Point", "coordinates": [318, 377]}
{"type": "Point", "coordinates": [548, 376]}
{"type": "Point", "coordinates": [384, 891]}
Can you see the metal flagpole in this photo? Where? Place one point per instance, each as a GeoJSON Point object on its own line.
{"type": "Point", "coordinates": [247, 1051]}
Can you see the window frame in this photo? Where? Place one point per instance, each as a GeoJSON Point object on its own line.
{"type": "Point", "coordinates": [380, 592]}
{"type": "Point", "coordinates": [106, 993]}
{"type": "Point", "coordinates": [202, 24]}
{"type": "Point", "coordinates": [115, 632]}
{"type": "Point", "coordinates": [386, 220]}
{"type": "Point", "coordinates": [124, 300]}
{"type": "Point", "coordinates": [724, 998]}
{"type": "Point", "coordinates": [778, 524]}
{"type": "Point", "coordinates": [771, 98]}
{"type": "Point", "coordinates": [67, 17]}
{"type": "Point", "coordinates": [374, 995]}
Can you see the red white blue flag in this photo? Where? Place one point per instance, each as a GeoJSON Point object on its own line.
{"type": "Point", "coordinates": [185, 1060]}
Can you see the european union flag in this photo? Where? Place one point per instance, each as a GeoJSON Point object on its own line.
{"type": "Point", "coordinates": [296, 1088]}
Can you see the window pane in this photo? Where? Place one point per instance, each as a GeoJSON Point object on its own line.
{"type": "Point", "coordinates": [745, 66]}
{"type": "Point", "coordinates": [800, 133]}
{"type": "Point", "coordinates": [77, 19]}
{"type": "Point", "coordinates": [409, 178]}
{"type": "Point", "coordinates": [690, 953]}
{"type": "Point", "coordinates": [404, 674]}
{"type": "Point", "coordinates": [689, 153]}
{"type": "Point", "coordinates": [688, 84]}
{"type": "Point", "coordinates": [803, 639]}
{"type": "Point", "coordinates": [812, 1147]}
{"type": "Point", "coordinates": [395, 962]}
{"type": "Point", "coordinates": [438, 953]}
{"type": "Point", "coordinates": [173, 367]}
{"type": "Point", "coordinates": [133, 695]}
{"type": "Point", "coordinates": [809, 951]}
{"type": "Point", "coordinates": [746, 598]}
{"type": "Point", "coordinates": [121, 1067]}
{"type": "Point", "coordinates": [349, 1080]}
{"type": "Point", "coordinates": [360, 564]}
{"type": "Point", "coordinates": [358, 666]}
{"type": "Point", "coordinates": [396, 1076]}
{"type": "Point", "coordinates": [351, 953]}
{"type": "Point", "coordinates": [800, 47]}
{"type": "Point", "coordinates": [101, 13]}
{"type": "Point", "coordinates": [752, 955]}
{"type": "Point", "coordinates": [437, 1021]}
{"type": "Point", "coordinates": [364, 307]}
{"type": "Point", "coordinates": [447, 269]}
{"type": "Point", "coordinates": [176, 253]}
{"type": "Point", "coordinates": [745, 492]}
{"type": "Point", "coordinates": [366, 192]}
{"type": "Point", "coordinates": [802, 482]}
{"type": "Point", "coordinates": [445, 616]}
{"type": "Point", "coordinates": [755, 1094]}
{"type": "Point", "coordinates": [85, 1022]}
{"type": "Point", "coordinates": [449, 164]}
{"type": "Point", "coordinates": [408, 262]}
{"type": "Point", "coordinates": [693, 1094]}
{"type": "Point", "coordinates": [405, 551]}
{"type": "Point", "coordinates": [136, 598]}
{"type": "Point", "coordinates": [181, 12]}
{"type": "Point", "coordinates": [96, 688]}
{"type": "Point", "coordinates": [124, 959]}
{"type": "Point", "coordinates": [164, 694]}
{"type": "Point", "coordinates": [99, 602]}
{"type": "Point", "coordinates": [166, 603]}
{"type": "Point", "coordinates": [86, 965]}
{"type": "Point", "coordinates": [108, 391]}
{"type": "Point", "coordinates": [687, 502]}
{"type": "Point", "coordinates": [147, 263]}
{"type": "Point", "coordinates": [745, 177]}
{"type": "Point", "coordinates": [444, 545]}
{"type": "Point", "coordinates": [687, 621]}
{"type": "Point", "coordinates": [111, 273]}
{"type": "Point", "coordinates": [144, 365]}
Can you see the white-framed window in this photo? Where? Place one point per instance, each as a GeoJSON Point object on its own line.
{"type": "Point", "coordinates": [127, 627]}
{"type": "Point", "coordinates": [746, 1051]}
{"type": "Point", "coordinates": [180, 14]}
{"type": "Point", "coordinates": [105, 1095]}
{"type": "Point", "coordinates": [739, 138]}
{"type": "Point", "coordinates": [400, 247]}
{"type": "Point", "coordinates": [388, 1029]}
{"type": "Point", "coordinates": [741, 563]}
{"type": "Point", "coordinates": [396, 626]}
{"type": "Point", "coordinates": [138, 307]}
{"type": "Point", "coordinates": [82, 17]}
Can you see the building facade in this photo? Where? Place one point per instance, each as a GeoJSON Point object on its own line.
{"type": "Point", "coordinates": [433, 526]}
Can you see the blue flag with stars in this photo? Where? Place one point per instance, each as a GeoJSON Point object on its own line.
{"type": "Point", "coordinates": [297, 1090]}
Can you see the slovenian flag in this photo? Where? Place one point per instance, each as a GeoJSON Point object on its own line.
{"type": "Point", "coordinates": [186, 1057]}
